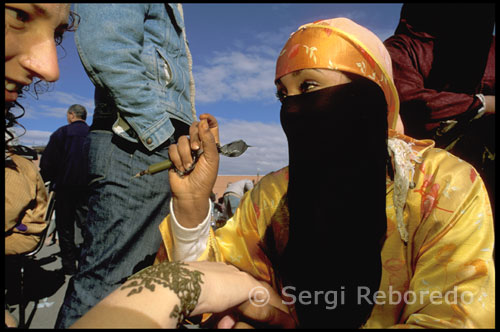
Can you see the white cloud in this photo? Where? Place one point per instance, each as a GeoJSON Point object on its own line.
{"type": "Point", "coordinates": [268, 151]}
{"type": "Point", "coordinates": [236, 76]}
{"type": "Point", "coordinates": [54, 104]}
{"type": "Point", "coordinates": [33, 137]}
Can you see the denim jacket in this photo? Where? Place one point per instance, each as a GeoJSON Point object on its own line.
{"type": "Point", "coordinates": [137, 57]}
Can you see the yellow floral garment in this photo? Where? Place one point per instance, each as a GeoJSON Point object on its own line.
{"type": "Point", "coordinates": [443, 277]}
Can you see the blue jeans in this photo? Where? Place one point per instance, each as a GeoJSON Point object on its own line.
{"type": "Point", "coordinates": [121, 234]}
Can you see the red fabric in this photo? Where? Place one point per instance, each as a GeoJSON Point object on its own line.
{"type": "Point", "coordinates": [412, 62]}
{"type": "Point", "coordinates": [440, 62]}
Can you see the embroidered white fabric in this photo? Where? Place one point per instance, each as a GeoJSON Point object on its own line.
{"type": "Point", "coordinates": [189, 243]}
{"type": "Point", "coordinates": [404, 158]}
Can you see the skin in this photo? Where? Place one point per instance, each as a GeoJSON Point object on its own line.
{"type": "Point", "coordinates": [274, 314]}
{"type": "Point", "coordinates": [221, 287]}
{"type": "Point", "coordinates": [490, 104]}
{"type": "Point", "coordinates": [31, 31]}
{"type": "Point", "coordinates": [308, 80]}
{"type": "Point", "coordinates": [191, 198]}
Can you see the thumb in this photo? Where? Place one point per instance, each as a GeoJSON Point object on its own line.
{"type": "Point", "coordinates": [227, 322]}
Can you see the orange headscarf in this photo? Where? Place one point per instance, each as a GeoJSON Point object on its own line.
{"type": "Point", "coordinates": [340, 44]}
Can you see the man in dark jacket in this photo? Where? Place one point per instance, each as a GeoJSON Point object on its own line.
{"type": "Point", "coordinates": [64, 163]}
{"type": "Point", "coordinates": [443, 58]}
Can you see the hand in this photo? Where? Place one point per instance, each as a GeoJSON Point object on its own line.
{"type": "Point", "coordinates": [191, 193]}
{"type": "Point", "coordinates": [152, 297]}
{"type": "Point", "coordinates": [274, 314]}
{"type": "Point", "coordinates": [225, 286]}
{"type": "Point", "coordinates": [489, 106]}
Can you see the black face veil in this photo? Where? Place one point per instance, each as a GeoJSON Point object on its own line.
{"type": "Point", "coordinates": [337, 141]}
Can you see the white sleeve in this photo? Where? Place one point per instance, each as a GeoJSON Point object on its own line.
{"type": "Point", "coordinates": [190, 243]}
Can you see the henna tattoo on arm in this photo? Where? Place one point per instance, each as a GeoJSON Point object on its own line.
{"type": "Point", "coordinates": [182, 281]}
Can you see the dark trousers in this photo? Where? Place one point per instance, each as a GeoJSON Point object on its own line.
{"type": "Point", "coordinates": [71, 207]}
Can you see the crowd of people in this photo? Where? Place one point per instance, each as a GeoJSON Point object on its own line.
{"type": "Point", "coordinates": [399, 231]}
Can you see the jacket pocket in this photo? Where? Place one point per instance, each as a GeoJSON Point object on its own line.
{"type": "Point", "coordinates": [165, 73]}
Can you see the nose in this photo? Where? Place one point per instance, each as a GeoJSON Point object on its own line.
{"type": "Point", "coordinates": [41, 60]}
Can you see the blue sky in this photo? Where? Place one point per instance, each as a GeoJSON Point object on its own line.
{"type": "Point", "coordinates": [234, 48]}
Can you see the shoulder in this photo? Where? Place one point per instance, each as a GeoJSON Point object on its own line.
{"type": "Point", "coordinates": [443, 175]}
{"type": "Point", "coordinates": [23, 169]}
{"type": "Point", "coordinates": [61, 131]}
{"type": "Point", "coordinates": [79, 126]}
{"type": "Point", "coordinates": [274, 182]}
{"type": "Point", "coordinates": [24, 165]}
{"type": "Point", "coordinates": [446, 190]}
{"type": "Point", "coordinates": [267, 194]}
{"type": "Point", "coordinates": [440, 165]}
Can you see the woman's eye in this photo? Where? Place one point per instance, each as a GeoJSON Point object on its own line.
{"type": "Point", "coordinates": [16, 17]}
{"type": "Point", "coordinates": [308, 85]}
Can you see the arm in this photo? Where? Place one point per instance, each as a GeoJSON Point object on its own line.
{"type": "Point", "coordinates": [161, 296]}
{"type": "Point", "coordinates": [411, 66]}
{"type": "Point", "coordinates": [25, 198]}
{"type": "Point", "coordinates": [191, 192]}
{"type": "Point", "coordinates": [189, 243]}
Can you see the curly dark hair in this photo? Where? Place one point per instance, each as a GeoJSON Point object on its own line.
{"type": "Point", "coordinates": [39, 86]}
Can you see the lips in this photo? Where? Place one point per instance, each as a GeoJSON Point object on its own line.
{"type": "Point", "coordinates": [11, 91]}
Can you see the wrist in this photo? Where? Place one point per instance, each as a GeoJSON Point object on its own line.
{"type": "Point", "coordinates": [189, 213]}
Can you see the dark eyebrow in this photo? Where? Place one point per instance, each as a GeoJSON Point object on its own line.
{"type": "Point", "coordinates": [40, 10]}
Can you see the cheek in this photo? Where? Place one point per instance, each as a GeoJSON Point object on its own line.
{"type": "Point", "coordinates": [11, 44]}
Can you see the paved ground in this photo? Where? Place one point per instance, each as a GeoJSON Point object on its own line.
{"type": "Point", "coordinates": [45, 285]}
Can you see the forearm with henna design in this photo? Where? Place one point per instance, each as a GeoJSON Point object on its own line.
{"type": "Point", "coordinates": [173, 275]}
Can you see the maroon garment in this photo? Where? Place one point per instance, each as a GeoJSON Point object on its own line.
{"type": "Point", "coordinates": [441, 62]}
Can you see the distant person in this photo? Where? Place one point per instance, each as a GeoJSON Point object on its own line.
{"type": "Point", "coordinates": [32, 32]}
{"type": "Point", "coordinates": [138, 58]}
{"type": "Point", "coordinates": [443, 58]}
{"type": "Point", "coordinates": [233, 194]}
{"type": "Point", "coordinates": [64, 163]}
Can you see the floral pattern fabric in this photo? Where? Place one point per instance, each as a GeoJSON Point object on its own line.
{"type": "Point", "coordinates": [444, 275]}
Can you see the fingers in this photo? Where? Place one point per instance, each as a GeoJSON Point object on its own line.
{"type": "Point", "coordinates": [202, 135]}
{"type": "Point", "coordinates": [180, 154]}
{"type": "Point", "coordinates": [212, 124]}
{"type": "Point", "coordinates": [195, 128]}
{"type": "Point", "coordinates": [267, 315]}
{"type": "Point", "coordinates": [195, 140]}
{"type": "Point", "coordinates": [227, 322]}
